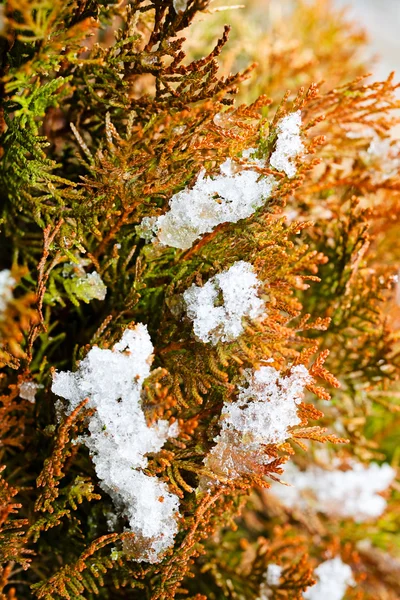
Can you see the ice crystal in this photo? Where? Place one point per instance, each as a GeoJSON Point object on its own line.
{"type": "Point", "coordinates": [112, 520]}
{"type": "Point", "coordinates": [333, 578]}
{"type": "Point", "coordinates": [224, 120]}
{"type": "Point", "coordinates": [28, 389]}
{"type": "Point", "coordinates": [120, 438]}
{"type": "Point", "coordinates": [352, 493]}
{"type": "Point", "coordinates": [265, 409]}
{"type": "Point", "coordinates": [230, 196]}
{"type": "Point", "coordinates": [288, 144]}
{"type": "Point", "coordinates": [236, 291]}
{"type": "Point", "coordinates": [7, 282]}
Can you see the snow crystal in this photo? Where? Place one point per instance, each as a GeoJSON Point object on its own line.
{"type": "Point", "coordinates": [333, 578]}
{"type": "Point", "coordinates": [351, 493]}
{"type": "Point", "coordinates": [265, 409]}
{"type": "Point", "coordinates": [288, 144]}
{"type": "Point", "coordinates": [239, 287]}
{"type": "Point", "coordinates": [120, 437]}
{"type": "Point", "coordinates": [234, 194]}
{"type": "Point", "coordinates": [272, 578]}
{"type": "Point", "coordinates": [6, 287]}
{"type": "Point", "coordinates": [224, 119]}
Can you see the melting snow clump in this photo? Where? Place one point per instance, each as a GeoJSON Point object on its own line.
{"type": "Point", "coordinates": [234, 194]}
{"type": "Point", "coordinates": [333, 578]}
{"type": "Point", "coordinates": [96, 288]}
{"type": "Point", "coordinates": [288, 144]}
{"type": "Point", "coordinates": [352, 493]}
{"type": "Point", "coordinates": [85, 286]}
{"type": "Point", "coordinates": [120, 437]}
{"type": "Point", "coordinates": [265, 409]}
{"type": "Point", "coordinates": [217, 309]}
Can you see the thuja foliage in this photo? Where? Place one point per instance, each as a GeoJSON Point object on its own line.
{"type": "Point", "coordinates": [198, 285]}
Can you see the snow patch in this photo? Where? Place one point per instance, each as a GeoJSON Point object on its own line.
{"type": "Point", "coordinates": [352, 493]}
{"type": "Point", "coordinates": [272, 578]}
{"type": "Point", "coordinates": [265, 409]}
{"type": "Point", "coordinates": [120, 438]}
{"type": "Point", "coordinates": [238, 289]}
{"type": "Point", "coordinates": [234, 194]}
{"type": "Point", "coordinates": [333, 578]}
{"type": "Point", "coordinates": [7, 283]}
{"type": "Point", "coordinates": [288, 144]}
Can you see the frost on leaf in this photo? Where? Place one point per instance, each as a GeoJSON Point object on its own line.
{"type": "Point", "coordinates": [234, 194]}
{"type": "Point", "coordinates": [217, 309]}
{"type": "Point", "coordinates": [351, 493]}
{"type": "Point", "coordinates": [7, 283]}
{"type": "Point", "coordinates": [265, 409]}
{"type": "Point", "coordinates": [288, 144]}
{"type": "Point", "coordinates": [120, 438]}
{"type": "Point", "coordinates": [333, 578]}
